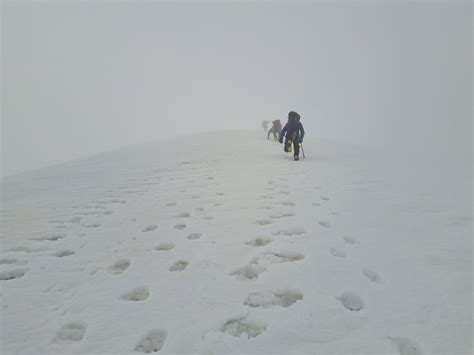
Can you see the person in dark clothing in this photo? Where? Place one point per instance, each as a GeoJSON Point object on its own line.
{"type": "Point", "coordinates": [293, 133]}
{"type": "Point", "coordinates": [276, 128]}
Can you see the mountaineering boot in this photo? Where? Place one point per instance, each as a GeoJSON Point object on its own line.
{"type": "Point", "coordinates": [296, 157]}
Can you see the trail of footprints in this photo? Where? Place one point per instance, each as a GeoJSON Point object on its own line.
{"type": "Point", "coordinates": [250, 327]}
{"type": "Point", "coordinates": [154, 340]}
{"type": "Point", "coordinates": [245, 325]}
{"type": "Point", "coordinates": [75, 331]}
{"type": "Point", "coordinates": [78, 216]}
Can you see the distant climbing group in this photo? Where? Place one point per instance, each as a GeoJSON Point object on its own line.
{"type": "Point", "coordinates": [292, 132]}
{"type": "Point", "coordinates": [276, 129]}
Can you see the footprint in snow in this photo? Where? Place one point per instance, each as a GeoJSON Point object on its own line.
{"type": "Point", "coordinates": [179, 226]}
{"type": "Point", "coordinates": [208, 217]}
{"type": "Point", "coordinates": [63, 253]}
{"type": "Point", "coordinates": [76, 219]}
{"type": "Point", "coordinates": [264, 221]}
{"type": "Point", "coordinates": [351, 301]}
{"type": "Point", "coordinates": [91, 225]}
{"type": "Point", "coordinates": [283, 298]}
{"type": "Point", "coordinates": [194, 236]}
{"type": "Point", "coordinates": [171, 204]}
{"type": "Point", "coordinates": [325, 224]}
{"type": "Point", "coordinates": [199, 209]}
{"type": "Point", "coordinates": [183, 215]}
{"type": "Point", "coordinates": [243, 326]}
{"type": "Point", "coordinates": [72, 331]}
{"type": "Point", "coordinates": [15, 261]}
{"type": "Point", "coordinates": [25, 249]}
{"type": "Point", "coordinates": [137, 294]}
{"type": "Point", "coordinates": [287, 203]}
{"type": "Point", "coordinates": [316, 204]}
{"type": "Point", "coordinates": [337, 252]}
{"type": "Point", "coordinates": [350, 240]}
{"type": "Point", "coordinates": [119, 266]}
{"type": "Point", "coordinates": [324, 198]}
{"type": "Point", "coordinates": [153, 341]}
{"type": "Point", "coordinates": [165, 246]}
{"type": "Point", "coordinates": [290, 232]}
{"type": "Point", "coordinates": [249, 272]}
{"type": "Point", "coordinates": [406, 346]}
{"type": "Point", "coordinates": [150, 228]}
{"type": "Point", "coordinates": [52, 237]}
{"type": "Point", "coordinates": [372, 276]}
{"type": "Point", "coordinates": [280, 257]}
{"type": "Point", "coordinates": [219, 193]}
{"type": "Point", "coordinates": [111, 201]}
{"type": "Point", "coordinates": [259, 242]}
{"type": "Point", "coordinates": [12, 274]}
{"type": "Point", "coordinates": [282, 215]}
{"type": "Point", "coordinates": [179, 265]}
{"type": "Point", "coordinates": [49, 288]}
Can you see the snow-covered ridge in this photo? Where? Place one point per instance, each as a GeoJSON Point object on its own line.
{"type": "Point", "coordinates": [220, 243]}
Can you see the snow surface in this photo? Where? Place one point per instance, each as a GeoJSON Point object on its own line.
{"type": "Point", "coordinates": [221, 244]}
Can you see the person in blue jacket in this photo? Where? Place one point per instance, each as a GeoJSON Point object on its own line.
{"type": "Point", "coordinates": [293, 133]}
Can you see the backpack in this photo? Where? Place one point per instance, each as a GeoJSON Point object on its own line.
{"type": "Point", "coordinates": [293, 128]}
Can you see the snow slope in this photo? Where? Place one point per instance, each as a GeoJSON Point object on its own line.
{"type": "Point", "coordinates": [221, 244]}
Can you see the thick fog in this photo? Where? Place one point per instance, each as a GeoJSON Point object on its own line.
{"type": "Point", "coordinates": [80, 78]}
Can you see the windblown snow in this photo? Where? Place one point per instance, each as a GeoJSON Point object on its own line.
{"type": "Point", "coordinates": [222, 244]}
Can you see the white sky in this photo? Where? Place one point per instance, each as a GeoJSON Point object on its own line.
{"type": "Point", "coordinates": [79, 78]}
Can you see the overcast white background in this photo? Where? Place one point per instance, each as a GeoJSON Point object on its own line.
{"type": "Point", "coordinates": [80, 78]}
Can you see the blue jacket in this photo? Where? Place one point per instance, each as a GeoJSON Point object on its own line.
{"type": "Point", "coordinates": [299, 132]}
